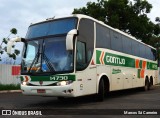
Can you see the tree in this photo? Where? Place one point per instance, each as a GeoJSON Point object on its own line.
{"type": "Point", "coordinates": [3, 48]}
{"type": "Point", "coordinates": [128, 16]}
{"type": "Point", "coordinates": [157, 19]}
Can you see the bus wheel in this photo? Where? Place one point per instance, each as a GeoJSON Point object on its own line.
{"type": "Point", "coordinates": [150, 83]}
{"type": "Point", "coordinates": [101, 91]}
{"type": "Point", "coordinates": [146, 86]}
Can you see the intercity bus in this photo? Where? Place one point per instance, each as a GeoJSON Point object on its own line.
{"type": "Point", "coordinates": [79, 55]}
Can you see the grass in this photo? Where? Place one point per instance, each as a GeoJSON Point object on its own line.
{"type": "Point", "coordinates": [9, 87]}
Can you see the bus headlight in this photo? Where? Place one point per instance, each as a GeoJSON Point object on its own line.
{"type": "Point", "coordinates": [24, 83]}
{"type": "Point", "coordinates": [63, 83]}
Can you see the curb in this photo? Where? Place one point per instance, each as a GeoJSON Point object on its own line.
{"type": "Point", "coordinates": [11, 91]}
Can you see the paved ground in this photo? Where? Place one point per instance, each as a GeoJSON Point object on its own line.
{"type": "Point", "coordinates": [125, 100]}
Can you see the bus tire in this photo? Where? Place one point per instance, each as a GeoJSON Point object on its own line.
{"type": "Point", "coordinates": [146, 86]}
{"type": "Point", "coordinates": [151, 83]}
{"type": "Point", "coordinates": [101, 91]}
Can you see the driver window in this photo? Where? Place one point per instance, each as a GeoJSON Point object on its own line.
{"type": "Point", "coordinates": [81, 55]}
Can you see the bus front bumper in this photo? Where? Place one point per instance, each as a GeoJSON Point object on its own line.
{"type": "Point", "coordinates": [57, 91]}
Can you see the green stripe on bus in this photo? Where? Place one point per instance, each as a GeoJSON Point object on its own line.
{"type": "Point", "coordinates": [53, 78]}
{"type": "Point", "coordinates": [118, 60]}
{"type": "Point", "coordinates": [152, 66]}
{"type": "Point", "coordinates": [98, 53]}
{"type": "Point", "coordinates": [139, 73]}
{"type": "Point", "coordinates": [140, 64]}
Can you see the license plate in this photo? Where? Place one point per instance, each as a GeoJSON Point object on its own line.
{"type": "Point", "coordinates": [41, 91]}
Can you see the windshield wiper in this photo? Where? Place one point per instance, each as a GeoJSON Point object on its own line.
{"type": "Point", "coordinates": [48, 62]}
{"type": "Point", "coordinates": [41, 54]}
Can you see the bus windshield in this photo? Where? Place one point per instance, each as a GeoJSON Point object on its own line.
{"type": "Point", "coordinates": [48, 55]}
{"type": "Point", "coordinates": [55, 27]}
{"type": "Point", "coordinates": [46, 47]}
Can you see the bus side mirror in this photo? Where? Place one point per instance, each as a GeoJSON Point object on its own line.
{"type": "Point", "coordinates": [11, 42]}
{"type": "Point", "coordinates": [69, 39]}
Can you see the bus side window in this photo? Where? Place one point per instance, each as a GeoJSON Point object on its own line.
{"type": "Point", "coordinates": [81, 55]}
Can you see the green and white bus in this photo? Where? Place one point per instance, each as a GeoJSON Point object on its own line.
{"type": "Point", "coordinates": [79, 55]}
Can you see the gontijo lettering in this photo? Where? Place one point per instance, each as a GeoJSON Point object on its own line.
{"type": "Point", "coordinates": [115, 60]}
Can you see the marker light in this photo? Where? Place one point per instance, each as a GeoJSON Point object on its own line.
{"type": "Point", "coordinates": [24, 83]}
{"type": "Point", "coordinates": [63, 83]}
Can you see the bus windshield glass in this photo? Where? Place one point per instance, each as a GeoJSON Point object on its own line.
{"type": "Point", "coordinates": [45, 50]}
{"type": "Point", "coordinates": [48, 55]}
{"type": "Point", "coordinates": [55, 27]}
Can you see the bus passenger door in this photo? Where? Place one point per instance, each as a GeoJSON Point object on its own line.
{"type": "Point", "coordinates": [85, 72]}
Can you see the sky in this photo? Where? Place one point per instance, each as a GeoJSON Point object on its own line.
{"type": "Point", "coordinates": [20, 14]}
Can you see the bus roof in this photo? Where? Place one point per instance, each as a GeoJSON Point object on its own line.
{"type": "Point", "coordinates": [80, 16]}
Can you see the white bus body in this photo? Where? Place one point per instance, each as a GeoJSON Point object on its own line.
{"type": "Point", "coordinates": [104, 59]}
